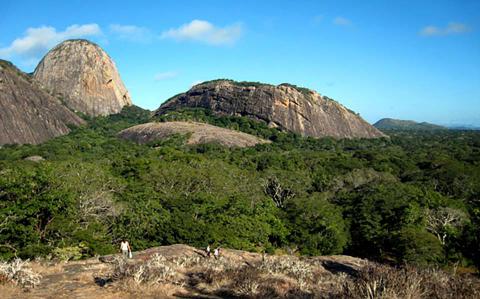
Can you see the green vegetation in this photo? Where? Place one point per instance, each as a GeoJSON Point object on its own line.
{"type": "Point", "coordinates": [412, 198]}
{"type": "Point", "coordinates": [305, 91]}
{"type": "Point", "coordinates": [238, 83]}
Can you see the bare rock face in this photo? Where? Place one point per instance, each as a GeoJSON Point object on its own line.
{"type": "Point", "coordinates": [199, 133]}
{"type": "Point", "coordinates": [84, 76]}
{"type": "Point", "coordinates": [285, 106]}
{"type": "Point", "coordinates": [29, 114]}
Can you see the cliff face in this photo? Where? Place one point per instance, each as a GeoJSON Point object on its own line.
{"type": "Point", "coordinates": [28, 114]}
{"type": "Point", "coordinates": [84, 76]}
{"type": "Point", "coordinates": [285, 106]}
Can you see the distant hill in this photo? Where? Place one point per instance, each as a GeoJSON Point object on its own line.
{"type": "Point", "coordinates": [286, 106]}
{"type": "Point", "coordinates": [198, 133]}
{"type": "Point", "coordinates": [398, 124]}
{"type": "Point", "coordinates": [465, 127]}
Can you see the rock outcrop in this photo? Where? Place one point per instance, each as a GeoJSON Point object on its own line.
{"type": "Point", "coordinates": [399, 124]}
{"type": "Point", "coordinates": [29, 114]}
{"type": "Point", "coordinates": [84, 76]}
{"type": "Point", "coordinates": [285, 106]}
{"type": "Point", "coordinates": [198, 133]}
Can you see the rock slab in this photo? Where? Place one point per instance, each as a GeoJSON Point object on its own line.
{"type": "Point", "coordinates": [29, 114]}
{"type": "Point", "coordinates": [198, 133]}
{"type": "Point", "coordinates": [85, 77]}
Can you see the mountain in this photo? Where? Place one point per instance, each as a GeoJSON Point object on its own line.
{"type": "Point", "coordinates": [84, 76]}
{"type": "Point", "coordinates": [28, 114]}
{"type": "Point", "coordinates": [398, 124]}
{"type": "Point", "coordinates": [198, 133]}
{"type": "Point", "coordinates": [465, 127]}
{"type": "Point", "coordinates": [285, 106]}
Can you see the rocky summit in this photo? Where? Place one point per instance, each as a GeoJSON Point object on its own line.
{"type": "Point", "coordinates": [29, 114]}
{"type": "Point", "coordinates": [85, 77]}
{"type": "Point", "coordinates": [285, 106]}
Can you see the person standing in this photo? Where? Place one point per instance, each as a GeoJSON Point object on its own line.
{"type": "Point", "coordinates": [216, 253]}
{"type": "Point", "coordinates": [125, 248]}
{"type": "Point", "coordinates": [208, 250]}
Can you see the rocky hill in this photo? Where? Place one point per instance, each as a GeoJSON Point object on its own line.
{"type": "Point", "coordinates": [84, 76]}
{"type": "Point", "coordinates": [285, 106]}
{"type": "Point", "coordinates": [398, 124]}
{"type": "Point", "coordinates": [198, 133]}
{"type": "Point", "coordinates": [28, 114]}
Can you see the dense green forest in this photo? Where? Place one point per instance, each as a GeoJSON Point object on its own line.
{"type": "Point", "coordinates": [412, 198]}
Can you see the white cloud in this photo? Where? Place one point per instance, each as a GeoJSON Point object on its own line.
{"type": "Point", "coordinates": [131, 32]}
{"type": "Point", "coordinates": [203, 31]}
{"type": "Point", "coordinates": [341, 21]}
{"type": "Point", "coordinates": [37, 41]}
{"type": "Point", "coordinates": [451, 28]}
{"type": "Point", "coordinates": [165, 75]}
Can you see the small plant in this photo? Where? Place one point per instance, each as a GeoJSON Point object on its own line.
{"type": "Point", "coordinates": [19, 273]}
{"type": "Point", "coordinates": [70, 253]}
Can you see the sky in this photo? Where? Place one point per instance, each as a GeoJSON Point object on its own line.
{"type": "Point", "coordinates": [417, 60]}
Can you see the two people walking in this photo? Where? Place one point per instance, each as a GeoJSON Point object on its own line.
{"type": "Point", "coordinates": [216, 252]}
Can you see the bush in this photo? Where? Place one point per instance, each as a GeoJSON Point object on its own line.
{"type": "Point", "coordinates": [70, 253]}
{"type": "Point", "coordinates": [19, 273]}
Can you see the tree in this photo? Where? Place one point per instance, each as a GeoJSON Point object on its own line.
{"type": "Point", "coordinates": [278, 193]}
{"type": "Point", "coordinates": [444, 221]}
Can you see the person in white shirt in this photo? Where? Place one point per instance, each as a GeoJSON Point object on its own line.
{"type": "Point", "coordinates": [125, 248]}
{"type": "Point", "coordinates": [216, 253]}
{"type": "Point", "coordinates": [208, 250]}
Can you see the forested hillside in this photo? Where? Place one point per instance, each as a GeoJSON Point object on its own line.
{"type": "Point", "coordinates": [414, 197]}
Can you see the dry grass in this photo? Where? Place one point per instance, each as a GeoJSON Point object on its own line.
{"type": "Point", "coordinates": [11, 291]}
{"type": "Point", "coordinates": [380, 281]}
{"type": "Point", "coordinates": [285, 277]}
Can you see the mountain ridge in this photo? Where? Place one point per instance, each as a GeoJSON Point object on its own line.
{"type": "Point", "coordinates": [286, 106]}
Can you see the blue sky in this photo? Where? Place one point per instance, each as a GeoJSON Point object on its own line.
{"type": "Point", "coordinates": [415, 60]}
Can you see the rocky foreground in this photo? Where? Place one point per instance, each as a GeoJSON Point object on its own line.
{"type": "Point", "coordinates": [181, 271]}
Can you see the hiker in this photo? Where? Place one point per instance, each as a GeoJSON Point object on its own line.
{"type": "Point", "coordinates": [126, 249]}
{"type": "Point", "coordinates": [208, 250]}
{"type": "Point", "coordinates": [216, 253]}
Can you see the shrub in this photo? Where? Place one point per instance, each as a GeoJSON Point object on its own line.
{"type": "Point", "coordinates": [70, 253]}
{"type": "Point", "coordinates": [19, 273]}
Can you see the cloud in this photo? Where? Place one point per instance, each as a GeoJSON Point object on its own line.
{"type": "Point", "coordinates": [165, 75]}
{"type": "Point", "coordinates": [38, 40]}
{"type": "Point", "coordinates": [450, 29]}
{"type": "Point", "coordinates": [205, 32]}
{"type": "Point", "coordinates": [131, 32]}
{"type": "Point", "coordinates": [341, 21]}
